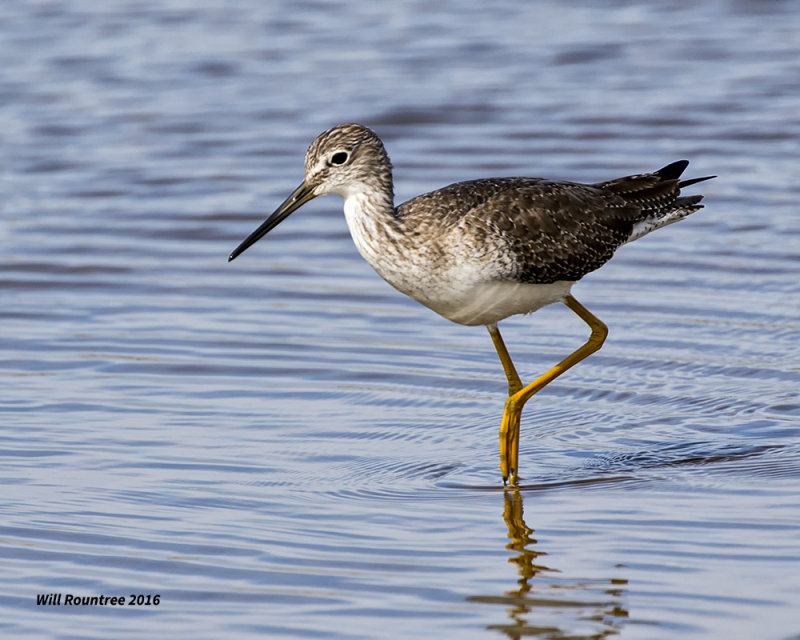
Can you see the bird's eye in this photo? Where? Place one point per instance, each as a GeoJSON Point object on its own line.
{"type": "Point", "coordinates": [340, 157]}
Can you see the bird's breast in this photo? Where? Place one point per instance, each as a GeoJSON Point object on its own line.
{"type": "Point", "coordinates": [449, 278]}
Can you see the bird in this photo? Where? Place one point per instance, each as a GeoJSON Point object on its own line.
{"type": "Point", "coordinates": [479, 251]}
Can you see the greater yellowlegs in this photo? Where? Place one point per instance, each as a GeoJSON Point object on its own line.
{"type": "Point", "coordinates": [477, 252]}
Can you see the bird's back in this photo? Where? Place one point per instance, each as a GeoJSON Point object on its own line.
{"type": "Point", "coordinates": [542, 231]}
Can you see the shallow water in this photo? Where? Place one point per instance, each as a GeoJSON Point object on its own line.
{"type": "Point", "coordinates": [284, 446]}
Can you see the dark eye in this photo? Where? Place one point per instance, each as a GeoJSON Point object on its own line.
{"type": "Point", "coordinates": [340, 157]}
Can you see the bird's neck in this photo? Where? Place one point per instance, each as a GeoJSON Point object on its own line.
{"type": "Point", "coordinates": [373, 223]}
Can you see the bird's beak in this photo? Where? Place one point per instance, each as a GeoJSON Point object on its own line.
{"type": "Point", "coordinates": [299, 197]}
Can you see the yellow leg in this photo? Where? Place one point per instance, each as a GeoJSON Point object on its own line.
{"type": "Point", "coordinates": [514, 386]}
{"type": "Point", "coordinates": [514, 383]}
{"type": "Point", "coordinates": [509, 428]}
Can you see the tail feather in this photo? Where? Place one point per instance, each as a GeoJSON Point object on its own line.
{"type": "Point", "coordinates": [686, 183]}
{"type": "Point", "coordinates": [670, 207]}
{"type": "Point", "coordinates": [673, 170]}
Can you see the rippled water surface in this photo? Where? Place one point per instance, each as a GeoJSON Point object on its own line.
{"type": "Point", "coordinates": [284, 446]}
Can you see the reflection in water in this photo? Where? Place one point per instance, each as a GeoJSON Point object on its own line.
{"type": "Point", "coordinates": [522, 543]}
{"type": "Point", "coordinates": [576, 612]}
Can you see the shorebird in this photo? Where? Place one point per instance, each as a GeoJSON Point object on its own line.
{"type": "Point", "coordinates": [479, 251]}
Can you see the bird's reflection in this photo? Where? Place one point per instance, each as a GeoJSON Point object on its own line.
{"type": "Point", "coordinates": [521, 543]}
{"type": "Point", "coordinates": [545, 603]}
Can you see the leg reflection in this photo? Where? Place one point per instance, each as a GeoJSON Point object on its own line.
{"type": "Point", "coordinates": [521, 542]}
{"type": "Point", "coordinates": [546, 603]}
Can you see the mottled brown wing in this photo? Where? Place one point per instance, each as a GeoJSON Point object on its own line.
{"type": "Point", "coordinates": [539, 231]}
{"type": "Point", "coordinates": [533, 230]}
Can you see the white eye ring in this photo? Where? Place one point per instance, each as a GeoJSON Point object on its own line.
{"type": "Point", "coordinates": [340, 157]}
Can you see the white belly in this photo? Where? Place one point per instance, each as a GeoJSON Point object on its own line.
{"type": "Point", "coordinates": [488, 303]}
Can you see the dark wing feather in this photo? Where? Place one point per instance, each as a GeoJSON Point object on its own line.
{"type": "Point", "coordinates": [554, 230]}
{"type": "Point", "coordinates": [541, 231]}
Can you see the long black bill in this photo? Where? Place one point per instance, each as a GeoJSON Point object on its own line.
{"type": "Point", "coordinates": [299, 197]}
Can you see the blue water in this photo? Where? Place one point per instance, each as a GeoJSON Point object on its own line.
{"type": "Point", "coordinates": [284, 446]}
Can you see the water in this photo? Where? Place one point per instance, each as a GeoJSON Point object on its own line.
{"type": "Point", "coordinates": [284, 446]}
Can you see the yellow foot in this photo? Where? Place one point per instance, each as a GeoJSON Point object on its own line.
{"type": "Point", "coordinates": [509, 441]}
{"type": "Point", "coordinates": [518, 395]}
